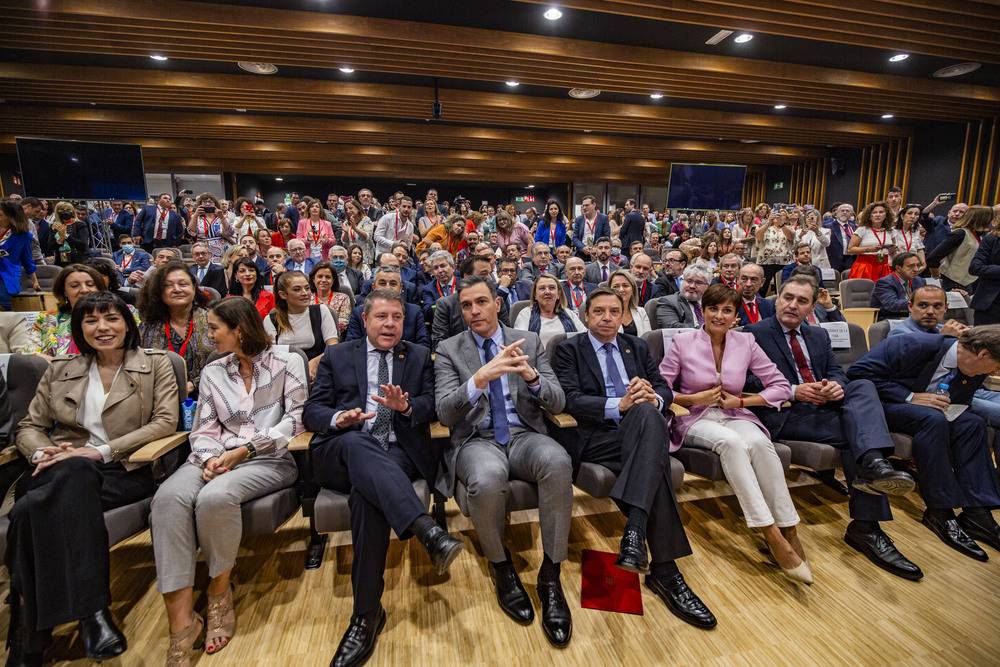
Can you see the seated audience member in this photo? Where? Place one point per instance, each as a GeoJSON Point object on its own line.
{"type": "Point", "coordinates": [541, 263]}
{"type": "Point", "coordinates": [250, 243]}
{"type": "Point", "coordinates": [683, 309]}
{"type": "Point", "coordinates": [325, 285]}
{"type": "Point", "coordinates": [803, 257]}
{"type": "Point", "coordinates": [407, 267]}
{"type": "Point", "coordinates": [229, 257]}
{"type": "Point", "coordinates": [622, 418]}
{"type": "Point", "coordinates": [711, 366]}
{"type": "Point", "coordinates": [70, 238]}
{"type": "Point", "coordinates": [110, 278]}
{"type": "Point", "coordinates": [448, 318]}
{"type": "Point", "coordinates": [602, 267]}
{"type": "Point", "coordinates": [828, 408]}
{"type": "Point", "coordinates": [892, 292]}
{"type": "Point", "coordinates": [263, 239]}
{"type": "Point", "coordinates": [207, 273]}
{"type": "Point", "coordinates": [276, 261]}
{"type": "Point", "coordinates": [753, 307]}
{"type": "Point", "coordinates": [547, 313]}
{"type": "Point", "coordinates": [247, 282]}
{"type": "Point", "coordinates": [51, 334]}
{"type": "Point", "coordinates": [953, 457]}
{"type": "Point", "coordinates": [674, 263]}
{"type": "Point", "coordinates": [372, 440]}
{"type": "Point", "coordinates": [492, 400]}
{"type": "Point", "coordinates": [635, 320]}
{"type": "Point", "coordinates": [91, 411]}
{"type": "Point", "coordinates": [298, 322]}
{"type": "Point", "coordinates": [130, 259]}
{"type": "Point", "coordinates": [14, 333]}
{"type": "Point", "coordinates": [642, 272]}
{"type": "Point", "coordinates": [443, 267]}
{"type": "Point", "coordinates": [414, 328]}
{"type": "Point", "coordinates": [249, 406]}
{"type": "Point", "coordinates": [510, 289]}
{"type": "Point", "coordinates": [347, 276]}
{"type": "Point", "coordinates": [826, 310]}
{"type": "Point", "coordinates": [299, 259]}
{"type": "Point", "coordinates": [285, 232]}
{"type": "Point", "coordinates": [575, 287]}
{"type": "Point", "coordinates": [410, 292]}
{"type": "Point", "coordinates": [422, 273]}
{"type": "Point", "coordinates": [729, 271]}
{"type": "Point", "coordinates": [562, 254]}
{"type": "Point", "coordinates": [175, 317]}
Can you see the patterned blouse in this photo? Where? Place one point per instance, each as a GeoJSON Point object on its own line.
{"type": "Point", "coordinates": [340, 306]}
{"type": "Point", "coordinates": [776, 249]}
{"type": "Point", "coordinates": [195, 352]}
{"type": "Point", "coordinates": [267, 416]}
{"type": "Point", "coordinates": [52, 335]}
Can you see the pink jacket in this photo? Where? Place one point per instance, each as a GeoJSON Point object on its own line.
{"type": "Point", "coordinates": [519, 235]}
{"type": "Point", "coordinates": [690, 359]}
{"type": "Point", "coordinates": [305, 234]}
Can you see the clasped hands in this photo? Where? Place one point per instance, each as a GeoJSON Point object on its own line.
{"type": "Point", "coordinates": [716, 396]}
{"type": "Point", "coordinates": [510, 360]}
{"type": "Point", "coordinates": [639, 391]}
{"type": "Point", "coordinates": [819, 393]}
{"type": "Point", "coordinates": [64, 450]}
{"type": "Point", "coordinates": [395, 399]}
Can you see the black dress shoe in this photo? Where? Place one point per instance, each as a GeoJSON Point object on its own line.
{"type": "Point", "coordinates": [988, 534]}
{"type": "Point", "coordinates": [359, 640]}
{"type": "Point", "coordinates": [511, 595]}
{"type": "Point", "coordinates": [880, 477]}
{"type": "Point", "coordinates": [442, 548]}
{"type": "Point", "coordinates": [879, 549]}
{"type": "Point", "coordinates": [315, 552]}
{"type": "Point", "coordinates": [952, 534]}
{"type": "Point", "coordinates": [682, 601]}
{"type": "Point", "coordinates": [25, 647]}
{"type": "Point", "coordinates": [632, 553]}
{"type": "Point", "coordinates": [556, 619]}
{"type": "Point", "coordinates": [102, 640]}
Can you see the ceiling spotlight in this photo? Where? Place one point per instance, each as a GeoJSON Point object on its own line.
{"type": "Point", "coordinates": [279, 178]}
{"type": "Point", "coordinates": [242, 110]}
{"type": "Point", "coordinates": [656, 96]}
{"type": "Point", "coordinates": [158, 57]}
{"type": "Point", "coordinates": [887, 116]}
{"type": "Point", "coordinates": [530, 186]}
{"type": "Point", "coordinates": [779, 106]}
{"type": "Point", "coordinates": [513, 84]}
{"type": "Point", "coordinates": [553, 14]}
{"type": "Point", "coordinates": [899, 56]}
{"type": "Point", "coordinates": [346, 70]}
{"type": "Point", "coordinates": [743, 39]}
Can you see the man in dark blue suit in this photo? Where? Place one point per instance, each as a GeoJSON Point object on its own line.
{"type": "Point", "coordinates": [892, 292]}
{"type": "Point", "coordinates": [370, 408]}
{"type": "Point", "coordinates": [953, 457]}
{"type": "Point", "coordinates": [443, 268]}
{"type": "Point", "coordinates": [158, 226]}
{"type": "Point", "coordinates": [121, 222]}
{"type": "Point", "coordinates": [299, 259]}
{"type": "Point", "coordinates": [135, 259]}
{"type": "Point", "coordinates": [576, 287]}
{"type": "Point", "coordinates": [642, 271]}
{"type": "Point", "coordinates": [829, 409]}
{"type": "Point", "coordinates": [622, 404]}
{"type": "Point", "coordinates": [414, 328]}
{"type": "Point", "coordinates": [753, 307]}
{"type": "Point", "coordinates": [803, 257]}
{"type": "Point", "coordinates": [841, 228]}
{"type": "Point", "coordinates": [633, 226]}
{"type": "Point", "coordinates": [409, 291]}
{"type": "Point", "coordinates": [509, 288]}
{"type": "Point", "coordinates": [588, 227]}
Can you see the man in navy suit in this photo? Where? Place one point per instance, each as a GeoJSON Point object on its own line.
{"type": "Point", "coordinates": [622, 404]}
{"type": "Point", "coordinates": [443, 268]}
{"type": "Point", "coordinates": [892, 292]}
{"type": "Point", "coordinates": [953, 457]}
{"type": "Point", "coordinates": [674, 263]}
{"type": "Point", "coordinates": [642, 269]}
{"type": "Point", "coordinates": [633, 226]}
{"type": "Point", "coordinates": [158, 226]}
{"type": "Point", "coordinates": [753, 307]}
{"type": "Point", "coordinates": [588, 227]}
{"type": "Point", "coordinates": [299, 259]}
{"type": "Point", "coordinates": [135, 259]}
{"type": "Point", "coordinates": [372, 440]}
{"type": "Point", "coordinates": [729, 271]}
{"type": "Point", "coordinates": [828, 408]}
{"type": "Point", "coordinates": [207, 273]}
{"type": "Point", "coordinates": [575, 287]}
{"type": "Point", "coordinates": [509, 288]}
{"type": "Point", "coordinates": [841, 228]}
{"type": "Point", "coordinates": [409, 291]}
{"type": "Point", "coordinates": [414, 328]}
{"type": "Point", "coordinates": [120, 222]}
{"type": "Point", "coordinates": [803, 257]}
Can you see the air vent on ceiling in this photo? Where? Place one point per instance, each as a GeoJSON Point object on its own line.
{"type": "Point", "coordinates": [583, 93]}
{"type": "Point", "coordinates": [956, 70]}
{"type": "Point", "coordinates": [257, 68]}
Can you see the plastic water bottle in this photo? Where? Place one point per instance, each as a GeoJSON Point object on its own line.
{"type": "Point", "coordinates": [189, 407]}
{"type": "Point", "coordinates": [942, 390]}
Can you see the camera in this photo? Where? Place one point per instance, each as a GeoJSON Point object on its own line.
{"type": "Point", "coordinates": [436, 109]}
{"type": "Point", "coordinates": [948, 196]}
{"type": "Point", "coordinates": [208, 208]}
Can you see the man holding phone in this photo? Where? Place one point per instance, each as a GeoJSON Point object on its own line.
{"type": "Point", "coordinates": [939, 226]}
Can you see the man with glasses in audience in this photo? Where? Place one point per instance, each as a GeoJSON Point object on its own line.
{"type": "Point", "coordinates": [683, 310]}
{"type": "Point", "coordinates": [588, 227]}
{"type": "Point", "coordinates": [576, 287]}
{"type": "Point", "coordinates": [674, 263]}
{"type": "Point", "coordinates": [510, 289]}
{"type": "Point", "coordinates": [541, 264]}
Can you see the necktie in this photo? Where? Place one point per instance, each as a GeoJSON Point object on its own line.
{"type": "Point", "coordinates": [498, 408]}
{"type": "Point", "coordinates": [697, 312]}
{"type": "Point", "coordinates": [800, 357]}
{"type": "Point", "coordinates": [383, 416]}
{"type": "Point", "coordinates": [579, 298]}
{"type": "Point", "coordinates": [604, 273]}
{"type": "Point", "coordinates": [201, 273]}
{"type": "Point", "coordinates": [613, 374]}
{"type": "Point", "coordinates": [160, 232]}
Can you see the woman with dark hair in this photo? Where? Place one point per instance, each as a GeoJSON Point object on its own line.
{"type": "Point", "coordinates": [710, 364]}
{"type": "Point", "coordinates": [247, 222]}
{"type": "Point", "coordinates": [15, 252]}
{"type": "Point", "coordinates": [873, 242]}
{"type": "Point", "coordinates": [285, 233]}
{"type": "Point", "coordinates": [175, 317]}
{"type": "Point", "coordinates": [685, 235]}
{"type": "Point", "coordinates": [357, 229]}
{"type": "Point", "coordinates": [249, 407]}
{"type": "Point", "coordinates": [109, 275]}
{"type": "Point", "coordinates": [551, 226]}
{"type": "Point", "coordinates": [325, 285]}
{"type": "Point", "coordinates": [299, 322]}
{"type": "Point", "coordinates": [91, 411]}
{"type": "Point", "coordinates": [70, 232]}
{"type": "Point", "coordinates": [725, 241]}
{"type": "Point", "coordinates": [547, 314]}
{"type": "Point", "coordinates": [246, 281]}
{"type": "Point", "coordinates": [356, 260]}
{"type": "Point", "coordinates": [209, 225]}
{"type": "Point", "coordinates": [950, 259]}
{"type": "Point", "coordinates": [907, 234]}
{"type": "Point", "coordinates": [316, 232]}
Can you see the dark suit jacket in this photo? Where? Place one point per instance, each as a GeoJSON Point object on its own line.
{"type": "Point", "coordinates": [575, 364]}
{"type": "Point", "coordinates": [674, 312]}
{"type": "Point", "coordinates": [651, 291]}
{"type": "Point", "coordinates": [429, 297]}
{"type": "Point", "coordinates": [986, 265]}
{"type": "Point", "coordinates": [140, 261]}
{"type": "Point", "coordinates": [890, 297]}
{"type": "Point", "coordinates": [937, 228]}
{"type": "Point", "coordinates": [215, 278]}
{"type": "Point", "coordinates": [309, 263]}
{"type": "Point", "coordinates": [414, 329]}
{"type": "Point", "coordinates": [411, 294]}
{"type": "Point", "coordinates": [587, 289]}
{"type": "Point", "coordinates": [835, 251]}
{"type": "Point", "coordinates": [764, 308]}
{"type": "Point", "coordinates": [530, 271]}
{"type": "Point", "coordinates": [903, 364]}
{"type": "Point", "coordinates": [354, 279]}
{"type": "Point", "coordinates": [522, 291]}
{"type": "Point", "coordinates": [824, 315]}
{"type": "Point", "coordinates": [342, 384]}
{"type": "Point", "coordinates": [448, 320]}
{"type": "Point", "coordinates": [786, 271]}
{"type": "Point", "coordinates": [144, 225]}
{"type": "Point", "coordinates": [593, 272]}
{"type": "Point", "coordinates": [667, 285]}
{"type": "Point", "coordinates": [602, 227]}
{"type": "Point", "coordinates": [120, 224]}
{"type": "Point", "coordinates": [633, 229]}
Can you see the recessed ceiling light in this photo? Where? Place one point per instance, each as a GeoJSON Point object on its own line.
{"type": "Point", "coordinates": [346, 70]}
{"type": "Point", "coordinates": [588, 131]}
{"type": "Point", "coordinates": [242, 110]}
{"type": "Point", "coordinates": [743, 39]}
{"type": "Point", "coordinates": [279, 178]}
{"type": "Point", "coordinates": [411, 184]}
{"type": "Point", "coordinates": [887, 115]}
{"type": "Point", "coordinates": [780, 106]}
{"type": "Point", "coordinates": [656, 96]}
{"type": "Point", "coordinates": [553, 14]}
{"type": "Point", "coordinates": [158, 57]}
{"type": "Point", "coordinates": [899, 56]}
{"type": "Point", "coordinates": [257, 68]}
{"type": "Point", "coordinates": [513, 84]}
{"type": "Point", "coordinates": [530, 186]}
{"type": "Point", "coordinates": [583, 93]}
{"type": "Point", "coordinates": [718, 37]}
{"type": "Point", "coordinates": [956, 70]}
{"type": "Point", "coordinates": [93, 104]}
{"type": "Point", "coordinates": [749, 141]}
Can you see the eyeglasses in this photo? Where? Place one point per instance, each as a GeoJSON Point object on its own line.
{"type": "Point", "coordinates": [696, 283]}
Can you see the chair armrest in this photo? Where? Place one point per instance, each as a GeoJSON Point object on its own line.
{"type": "Point", "coordinates": [439, 430]}
{"type": "Point", "coordinates": [300, 443]}
{"type": "Point", "coordinates": [562, 420]}
{"type": "Point", "coordinates": [9, 454]}
{"type": "Point", "coordinates": [157, 448]}
{"type": "Point", "coordinates": [679, 410]}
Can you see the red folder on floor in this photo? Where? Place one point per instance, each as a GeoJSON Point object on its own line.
{"type": "Point", "coordinates": [607, 587]}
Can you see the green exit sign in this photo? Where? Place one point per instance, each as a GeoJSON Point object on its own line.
{"type": "Point", "coordinates": [779, 185]}
{"type": "Point", "coordinates": [527, 199]}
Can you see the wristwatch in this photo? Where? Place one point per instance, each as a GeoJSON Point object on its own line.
{"type": "Point", "coordinates": [251, 451]}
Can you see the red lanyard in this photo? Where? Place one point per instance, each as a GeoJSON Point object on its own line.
{"type": "Point", "coordinates": [552, 236]}
{"type": "Point", "coordinates": [163, 215]}
{"type": "Point", "coordinates": [209, 225]}
{"type": "Point", "coordinates": [572, 295]}
{"type": "Point", "coordinates": [590, 225]}
{"type": "Point", "coordinates": [908, 241]}
{"type": "Point", "coordinates": [907, 286]}
{"type": "Point", "coordinates": [438, 286]}
{"type": "Point", "coordinates": [642, 293]}
{"type": "Point", "coordinates": [885, 235]}
{"type": "Point", "coordinates": [752, 313]}
{"type": "Point", "coordinates": [166, 330]}
{"type": "Point", "coordinates": [328, 299]}
{"type": "Point", "coordinates": [5, 235]}
{"type": "Point", "coordinates": [975, 236]}
{"type": "Point", "coordinates": [127, 260]}
{"type": "Point", "coordinates": [730, 285]}
{"type": "Point", "coordinates": [315, 232]}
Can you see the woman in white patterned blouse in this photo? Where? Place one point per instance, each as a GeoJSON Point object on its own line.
{"type": "Point", "coordinates": [249, 407]}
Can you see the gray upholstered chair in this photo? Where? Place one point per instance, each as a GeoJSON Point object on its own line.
{"type": "Point", "coordinates": [878, 332]}
{"type": "Point", "coordinates": [856, 293]}
{"type": "Point", "coordinates": [516, 309]}
{"type": "Point", "coordinates": [651, 310]}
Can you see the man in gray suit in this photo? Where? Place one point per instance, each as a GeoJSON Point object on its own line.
{"type": "Point", "coordinates": [683, 309]}
{"type": "Point", "coordinates": [448, 320]}
{"type": "Point", "coordinates": [541, 262]}
{"type": "Point", "coordinates": [602, 267]}
{"type": "Point", "coordinates": [491, 385]}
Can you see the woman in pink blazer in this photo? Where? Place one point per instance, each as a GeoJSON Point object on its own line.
{"type": "Point", "coordinates": [710, 365]}
{"type": "Point", "coordinates": [316, 232]}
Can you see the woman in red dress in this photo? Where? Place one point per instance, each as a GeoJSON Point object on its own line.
{"type": "Point", "coordinates": [873, 242]}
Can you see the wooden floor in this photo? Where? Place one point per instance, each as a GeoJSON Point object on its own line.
{"type": "Point", "coordinates": [855, 614]}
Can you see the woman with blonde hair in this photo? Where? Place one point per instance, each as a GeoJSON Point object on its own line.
{"type": "Point", "coordinates": [547, 314]}
{"type": "Point", "coordinates": [635, 321]}
{"type": "Point", "coordinates": [951, 258]}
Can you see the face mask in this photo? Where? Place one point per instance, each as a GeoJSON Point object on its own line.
{"type": "Point", "coordinates": [616, 251]}
{"type": "Point", "coordinates": [128, 249]}
{"type": "Point", "coordinates": [66, 215]}
{"type": "Point", "coordinates": [339, 264]}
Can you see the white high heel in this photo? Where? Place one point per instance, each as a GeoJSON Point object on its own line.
{"type": "Point", "coordinates": [802, 572]}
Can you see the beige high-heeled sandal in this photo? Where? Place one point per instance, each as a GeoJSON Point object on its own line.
{"type": "Point", "coordinates": [221, 619]}
{"type": "Point", "coordinates": [181, 643]}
